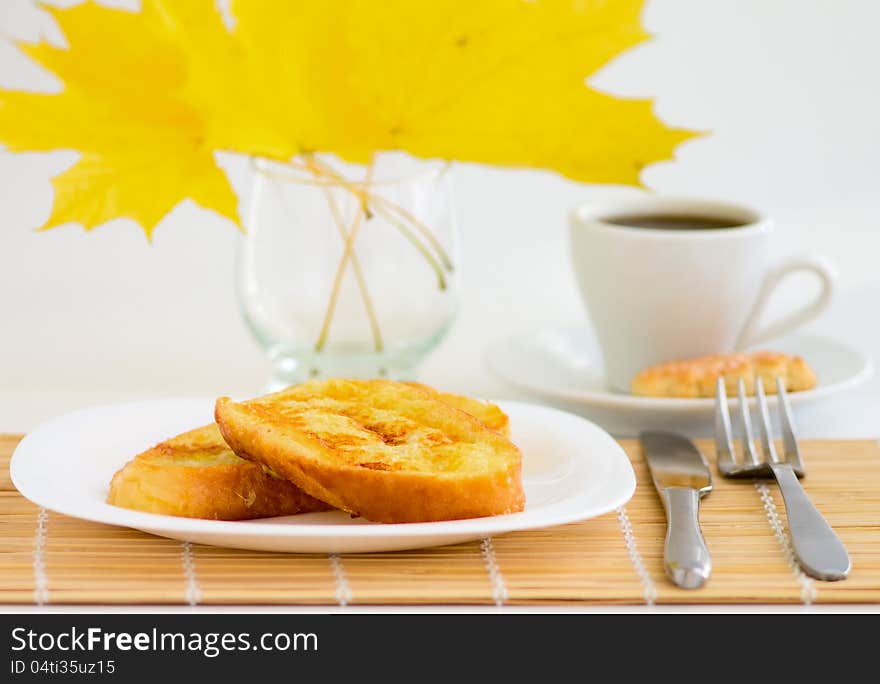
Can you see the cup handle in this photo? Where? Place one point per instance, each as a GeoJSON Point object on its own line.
{"type": "Point", "coordinates": [751, 334]}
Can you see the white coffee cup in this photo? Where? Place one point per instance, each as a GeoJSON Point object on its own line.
{"type": "Point", "coordinates": [658, 294]}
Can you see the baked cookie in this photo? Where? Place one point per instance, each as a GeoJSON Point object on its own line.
{"type": "Point", "coordinates": [694, 378]}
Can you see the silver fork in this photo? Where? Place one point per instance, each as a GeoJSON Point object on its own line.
{"type": "Point", "coordinates": [817, 548]}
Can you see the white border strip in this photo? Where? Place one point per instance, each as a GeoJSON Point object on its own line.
{"type": "Point", "coordinates": [343, 589]}
{"type": "Point", "coordinates": [41, 579]}
{"type": "Point", "coordinates": [649, 590]}
{"type": "Point", "coordinates": [193, 592]}
{"type": "Point", "coordinates": [499, 587]}
{"type": "Point", "coordinates": [808, 587]}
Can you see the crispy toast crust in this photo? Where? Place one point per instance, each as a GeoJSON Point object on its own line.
{"type": "Point", "coordinates": [384, 450]}
{"type": "Point", "coordinates": [197, 475]}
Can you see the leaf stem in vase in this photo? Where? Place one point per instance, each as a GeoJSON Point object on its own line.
{"type": "Point", "coordinates": [351, 236]}
{"type": "Point", "coordinates": [337, 281]}
{"type": "Point", "coordinates": [355, 262]}
{"type": "Point", "coordinates": [367, 197]}
{"type": "Point", "coordinates": [411, 236]}
{"type": "Point", "coordinates": [421, 227]}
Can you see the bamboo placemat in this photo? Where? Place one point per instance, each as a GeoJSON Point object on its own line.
{"type": "Point", "coordinates": [48, 558]}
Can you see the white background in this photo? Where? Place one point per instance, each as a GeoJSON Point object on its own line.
{"type": "Point", "coordinates": [788, 88]}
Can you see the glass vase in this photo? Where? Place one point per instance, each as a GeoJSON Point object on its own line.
{"type": "Point", "coordinates": [348, 271]}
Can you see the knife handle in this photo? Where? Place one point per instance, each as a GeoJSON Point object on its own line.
{"type": "Point", "coordinates": [817, 547]}
{"type": "Point", "coordinates": [685, 556]}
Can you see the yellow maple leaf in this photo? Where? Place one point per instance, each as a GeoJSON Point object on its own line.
{"type": "Point", "coordinates": [252, 99]}
{"type": "Point", "coordinates": [143, 148]}
{"type": "Point", "coordinates": [150, 96]}
{"type": "Point", "coordinates": [498, 82]}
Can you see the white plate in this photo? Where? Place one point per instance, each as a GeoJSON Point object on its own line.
{"type": "Point", "coordinates": [562, 364]}
{"type": "Point", "coordinates": [572, 470]}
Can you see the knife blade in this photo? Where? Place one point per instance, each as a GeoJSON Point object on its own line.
{"type": "Point", "coordinates": [681, 476]}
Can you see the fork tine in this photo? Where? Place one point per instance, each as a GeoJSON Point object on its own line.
{"type": "Point", "coordinates": [723, 432]}
{"type": "Point", "coordinates": [748, 436]}
{"type": "Point", "coordinates": [786, 421]}
{"type": "Point", "coordinates": [766, 431]}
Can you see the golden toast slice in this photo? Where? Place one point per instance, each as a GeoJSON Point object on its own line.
{"type": "Point", "coordinates": [384, 450]}
{"type": "Point", "coordinates": [196, 475]}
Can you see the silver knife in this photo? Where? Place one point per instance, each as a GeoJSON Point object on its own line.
{"type": "Point", "coordinates": [682, 477]}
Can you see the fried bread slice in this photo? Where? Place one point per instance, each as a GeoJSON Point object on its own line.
{"type": "Point", "coordinates": [384, 450]}
{"type": "Point", "coordinates": [196, 475]}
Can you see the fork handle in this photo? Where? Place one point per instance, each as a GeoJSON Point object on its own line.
{"type": "Point", "coordinates": [817, 547]}
{"type": "Point", "coordinates": [685, 556]}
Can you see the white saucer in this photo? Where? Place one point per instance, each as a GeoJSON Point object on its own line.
{"type": "Point", "coordinates": [562, 364]}
{"type": "Point", "coordinates": [572, 470]}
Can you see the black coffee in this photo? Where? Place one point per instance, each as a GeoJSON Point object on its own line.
{"type": "Point", "coordinates": [672, 221]}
